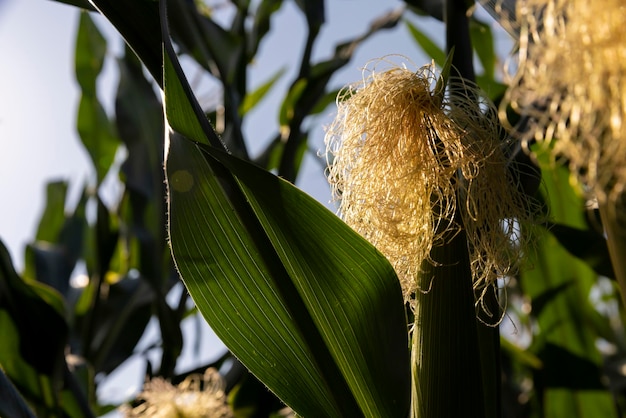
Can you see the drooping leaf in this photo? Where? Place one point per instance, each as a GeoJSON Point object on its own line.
{"type": "Point", "coordinates": [342, 302]}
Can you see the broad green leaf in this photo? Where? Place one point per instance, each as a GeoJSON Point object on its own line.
{"type": "Point", "coordinates": [241, 288]}
{"type": "Point", "coordinates": [253, 98]}
{"type": "Point", "coordinates": [430, 48]}
{"type": "Point", "coordinates": [339, 291]}
{"type": "Point", "coordinates": [248, 246]}
{"type": "Point", "coordinates": [253, 302]}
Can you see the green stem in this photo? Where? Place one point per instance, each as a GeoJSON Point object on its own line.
{"type": "Point", "coordinates": [447, 371]}
{"type": "Point", "coordinates": [458, 37]}
{"type": "Point", "coordinates": [488, 337]}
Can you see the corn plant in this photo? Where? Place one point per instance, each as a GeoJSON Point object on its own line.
{"type": "Point", "coordinates": [447, 201]}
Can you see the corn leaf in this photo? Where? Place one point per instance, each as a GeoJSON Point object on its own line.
{"type": "Point", "coordinates": [95, 129]}
{"type": "Point", "coordinates": [305, 303]}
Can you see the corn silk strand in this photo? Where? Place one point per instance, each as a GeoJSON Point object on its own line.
{"type": "Point", "coordinates": [568, 78]}
{"type": "Point", "coordinates": [406, 163]}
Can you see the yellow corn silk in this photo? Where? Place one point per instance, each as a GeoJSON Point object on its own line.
{"type": "Point", "coordinates": [569, 81]}
{"type": "Point", "coordinates": [411, 167]}
{"type": "Point", "coordinates": [197, 396]}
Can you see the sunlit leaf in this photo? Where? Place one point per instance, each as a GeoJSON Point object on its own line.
{"type": "Point", "coordinates": [242, 240]}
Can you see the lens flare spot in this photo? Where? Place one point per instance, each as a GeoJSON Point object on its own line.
{"type": "Point", "coordinates": [181, 181]}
